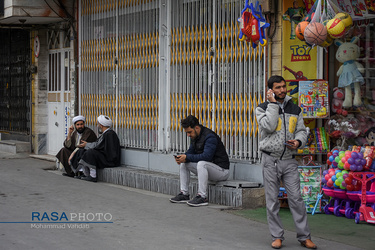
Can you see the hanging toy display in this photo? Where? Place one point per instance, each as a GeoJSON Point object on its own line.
{"type": "Point", "coordinates": [252, 25]}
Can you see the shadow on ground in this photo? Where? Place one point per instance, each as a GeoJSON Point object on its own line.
{"type": "Point", "coordinates": [324, 226]}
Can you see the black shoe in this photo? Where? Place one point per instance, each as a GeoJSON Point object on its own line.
{"type": "Point", "coordinates": [89, 178]}
{"type": "Point", "coordinates": [180, 198]}
{"type": "Point", "coordinates": [198, 201]}
{"type": "Point", "coordinates": [79, 176]}
{"type": "Point", "coordinates": [67, 175]}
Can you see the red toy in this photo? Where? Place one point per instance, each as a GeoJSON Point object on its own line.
{"type": "Point", "coordinates": [365, 212]}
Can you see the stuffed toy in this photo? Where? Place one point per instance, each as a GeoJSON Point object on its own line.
{"type": "Point", "coordinates": [338, 99]}
{"type": "Point", "coordinates": [350, 72]}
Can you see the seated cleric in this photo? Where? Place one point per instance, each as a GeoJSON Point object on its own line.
{"type": "Point", "coordinates": [103, 153]}
{"type": "Point", "coordinates": [77, 133]}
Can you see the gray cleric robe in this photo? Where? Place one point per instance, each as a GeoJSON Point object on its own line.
{"type": "Point", "coordinates": [103, 153]}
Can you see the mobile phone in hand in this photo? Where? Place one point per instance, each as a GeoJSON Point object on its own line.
{"type": "Point", "coordinates": [176, 156]}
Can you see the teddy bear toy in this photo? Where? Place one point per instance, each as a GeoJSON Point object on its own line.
{"type": "Point", "coordinates": [350, 72]}
{"type": "Point", "coordinates": [338, 99]}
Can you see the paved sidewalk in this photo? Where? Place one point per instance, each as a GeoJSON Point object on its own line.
{"type": "Point", "coordinates": [139, 219]}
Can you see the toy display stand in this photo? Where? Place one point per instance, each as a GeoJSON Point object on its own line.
{"type": "Point", "coordinates": [365, 213]}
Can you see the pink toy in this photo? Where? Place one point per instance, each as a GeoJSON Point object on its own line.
{"type": "Point", "coordinates": [337, 101]}
{"type": "Point", "coordinates": [365, 212]}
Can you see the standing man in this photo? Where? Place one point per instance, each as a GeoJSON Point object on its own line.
{"type": "Point", "coordinates": [76, 134]}
{"type": "Point", "coordinates": [103, 153]}
{"type": "Point", "coordinates": [282, 131]}
{"type": "Point", "coordinates": [206, 157]}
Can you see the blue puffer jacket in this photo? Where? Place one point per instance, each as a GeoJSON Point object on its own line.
{"type": "Point", "coordinates": [207, 146]}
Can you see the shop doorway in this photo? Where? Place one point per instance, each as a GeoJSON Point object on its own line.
{"type": "Point", "coordinates": [58, 99]}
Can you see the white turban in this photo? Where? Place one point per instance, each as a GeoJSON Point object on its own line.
{"type": "Point", "coordinates": [105, 121]}
{"type": "Point", "coordinates": [79, 118]}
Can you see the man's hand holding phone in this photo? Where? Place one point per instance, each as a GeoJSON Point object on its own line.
{"type": "Point", "coordinates": [292, 144]}
{"type": "Point", "coordinates": [180, 158]}
{"type": "Point", "coordinates": [271, 96]}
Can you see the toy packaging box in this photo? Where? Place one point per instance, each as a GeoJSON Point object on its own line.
{"type": "Point", "coordinates": [313, 98]}
{"type": "Point", "coordinates": [310, 179]}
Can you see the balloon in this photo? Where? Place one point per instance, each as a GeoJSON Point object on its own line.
{"type": "Point", "coordinates": [334, 178]}
{"type": "Point", "coordinates": [335, 185]}
{"type": "Point", "coordinates": [334, 164]}
{"type": "Point", "coordinates": [345, 172]}
{"type": "Point", "coordinates": [357, 161]}
{"type": "Point", "coordinates": [331, 174]}
{"type": "Point", "coordinates": [327, 177]}
{"type": "Point", "coordinates": [329, 162]}
{"type": "Point", "coordinates": [341, 154]}
{"type": "Point", "coordinates": [345, 175]}
{"type": "Point", "coordinates": [324, 180]}
{"type": "Point", "coordinates": [341, 186]}
{"type": "Point", "coordinates": [359, 167]}
{"type": "Point", "coordinates": [340, 179]}
{"type": "Point", "coordinates": [329, 154]}
{"type": "Point", "coordinates": [337, 171]}
{"type": "Point", "coordinates": [325, 172]}
{"type": "Point", "coordinates": [331, 158]}
{"type": "Point", "coordinates": [335, 151]}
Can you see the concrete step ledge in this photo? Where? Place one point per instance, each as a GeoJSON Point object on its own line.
{"type": "Point", "coordinates": [14, 147]}
{"type": "Point", "coordinates": [233, 193]}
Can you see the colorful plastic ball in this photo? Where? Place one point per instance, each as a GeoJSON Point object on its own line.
{"type": "Point", "coordinates": [348, 180]}
{"type": "Point", "coordinates": [337, 171]}
{"type": "Point", "coordinates": [340, 165]}
{"type": "Point", "coordinates": [342, 154]}
{"type": "Point", "coordinates": [337, 182]}
{"type": "Point", "coordinates": [327, 177]}
{"type": "Point", "coordinates": [334, 164]}
{"type": "Point", "coordinates": [350, 160]}
{"type": "Point", "coordinates": [353, 167]}
{"type": "Point", "coordinates": [344, 175]}
{"type": "Point", "coordinates": [357, 161]}
{"type": "Point", "coordinates": [363, 162]}
{"type": "Point", "coordinates": [359, 167]}
{"type": "Point", "coordinates": [331, 173]}
{"type": "Point", "coordinates": [335, 185]}
{"type": "Point", "coordinates": [354, 155]}
{"type": "Point", "coordinates": [347, 166]}
{"type": "Point", "coordinates": [349, 187]}
{"type": "Point", "coordinates": [335, 151]}
{"type": "Point", "coordinates": [339, 178]}
{"type": "Point", "coordinates": [334, 178]}
{"type": "Point", "coordinates": [337, 159]}
{"type": "Point", "coordinates": [341, 186]}
{"type": "Point", "coordinates": [329, 183]}
{"type": "Point", "coordinates": [329, 154]}
{"type": "Point", "coordinates": [331, 158]}
{"type": "Point", "coordinates": [324, 180]}
{"type": "Point", "coordinates": [345, 172]}
{"type": "Point", "coordinates": [325, 172]}
{"type": "Point", "coordinates": [360, 155]}
{"type": "Point", "coordinates": [344, 159]}
{"type": "Point", "coordinates": [348, 153]}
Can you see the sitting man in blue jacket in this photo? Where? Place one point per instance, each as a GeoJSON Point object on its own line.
{"type": "Point", "coordinates": [206, 157]}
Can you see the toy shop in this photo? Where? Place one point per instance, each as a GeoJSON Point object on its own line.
{"type": "Point", "coordinates": [338, 101]}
